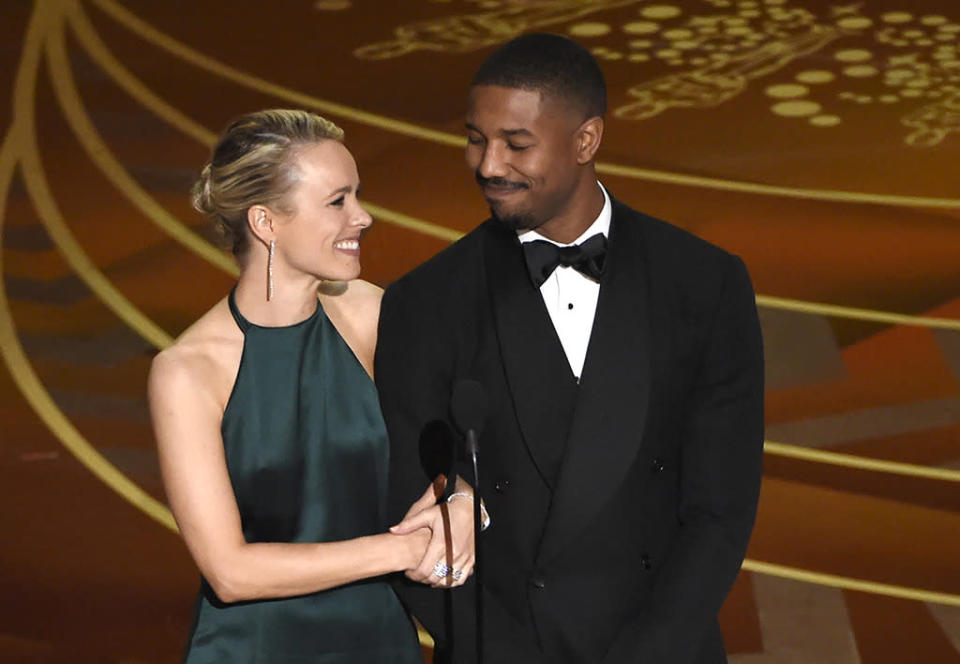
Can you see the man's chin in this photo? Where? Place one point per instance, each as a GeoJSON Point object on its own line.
{"type": "Point", "coordinates": [516, 221]}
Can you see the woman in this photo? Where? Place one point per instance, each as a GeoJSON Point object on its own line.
{"type": "Point", "coordinates": [272, 447]}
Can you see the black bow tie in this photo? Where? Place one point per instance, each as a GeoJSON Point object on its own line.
{"type": "Point", "coordinates": [586, 258]}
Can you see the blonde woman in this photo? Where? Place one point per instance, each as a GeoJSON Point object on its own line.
{"type": "Point", "coordinates": [271, 442]}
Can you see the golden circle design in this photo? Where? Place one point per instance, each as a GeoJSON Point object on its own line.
{"type": "Point", "coordinates": [854, 23]}
{"type": "Point", "coordinates": [589, 29]}
{"type": "Point", "coordinates": [739, 31]}
{"type": "Point", "coordinates": [949, 28]}
{"type": "Point", "coordinates": [933, 20]}
{"type": "Point", "coordinates": [332, 5]}
{"type": "Point", "coordinates": [853, 55]}
{"type": "Point", "coordinates": [899, 74]}
{"type": "Point", "coordinates": [787, 91]}
{"type": "Point", "coordinates": [889, 99]}
{"type": "Point", "coordinates": [678, 34]}
{"type": "Point", "coordinates": [825, 121]}
{"type": "Point", "coordinates": [924, 42]}
{"type": "Point", "coordinates": [911, 92]}
{"type": "Point", "coordinates": [796, 109]}
{"type": "Point", "coordinates": [667, 53]}
{"type": "Point", "coordinates": [640, 43]}
{"type": "Point", "coordinates": [749, 13]}
{"type": "Point", "coordinates": [897, 17]}
{"type": "Point", "coordinates": [638, 57]}
{"type": "Point", "coordinates": [861, 71]}
{"type": "Point", "coordinates": [641, 28]}
{"type": "Point", "coordinates": [660, 12]}
{"type": "Point", "coordinates": [815, 76]}
{"type": "Point", "coordinates": [919, 83]}
{"type": "Point", "coordinates": [913, 34]}
{"type": "Point", "coordinates": [686, 45]}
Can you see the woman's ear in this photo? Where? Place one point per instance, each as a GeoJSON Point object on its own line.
{"type": "Point", "coordinates": [261, 223]}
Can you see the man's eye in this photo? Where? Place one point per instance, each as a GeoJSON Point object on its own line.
{"type": "Point", "coordinates": [474, 140]}
{"type": "Point", "coordinates": [517, 148]}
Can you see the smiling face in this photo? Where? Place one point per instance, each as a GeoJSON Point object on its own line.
{"type": "Point", "coordinates": [527, 154]}
{"type": "Point", "coordinates": [322, 236]}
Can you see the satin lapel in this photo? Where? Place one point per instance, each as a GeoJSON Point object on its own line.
{"type": "Point", "coordinates": [541, 383]}
{"type": "Point", "coordinates": [611, 411]}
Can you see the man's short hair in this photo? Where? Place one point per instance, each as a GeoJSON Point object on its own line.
{"type": "Point", "coordinates": [552, 65]}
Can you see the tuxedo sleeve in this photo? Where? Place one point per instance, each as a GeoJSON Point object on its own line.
{"type": "Point", "coordinates": [414, 388]}
{"type": "Point", "coordinates": [721, 462]}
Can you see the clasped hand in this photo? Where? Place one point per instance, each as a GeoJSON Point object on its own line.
{"type": "Point", "coordinates": [449, 555]}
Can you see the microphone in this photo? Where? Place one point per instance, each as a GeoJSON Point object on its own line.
{"type": "Point", "coordinates": [468, 405]}
{"type": "Point", "coordinates": [437, 456]}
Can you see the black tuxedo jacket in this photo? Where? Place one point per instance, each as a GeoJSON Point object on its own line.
{"type": "Point", "coordinates": [621, 506]}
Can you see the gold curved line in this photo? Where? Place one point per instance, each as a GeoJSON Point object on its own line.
{"type": "Point", "coordinates": [847, 583]}
{"type": "Point", "coordinates": [56, 226]}
{"type": "Point", "coordinates": [194, 57]}
{"type": "Point", "coordinates": [854, 313]}
{"type": "Point", "coordinates": [184, 52]}
{"type": "Point", "coordinates": [78, 119]}
{"type": "Point", "coordinates": [22, 372]}
{"type": "Point", "coordinates": [860, 462]}
{"type": "Point", "coordinates": [412, 223]}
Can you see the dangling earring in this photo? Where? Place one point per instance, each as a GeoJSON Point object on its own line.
{"type": "Point", "coordinates": [270, 271]}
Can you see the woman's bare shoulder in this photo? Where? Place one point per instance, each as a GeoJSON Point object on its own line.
{"type": "Point", "coordinates": [202, 358]}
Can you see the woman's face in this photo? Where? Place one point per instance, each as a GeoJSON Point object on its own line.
{"type": "Point", "coordinates": [322, 236]}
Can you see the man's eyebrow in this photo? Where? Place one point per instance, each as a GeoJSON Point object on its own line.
{"type": "Point", "coordinates": [505, 132]}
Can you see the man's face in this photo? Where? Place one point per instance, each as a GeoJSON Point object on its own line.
{"type": "Point", "coordinates": [522, 149]}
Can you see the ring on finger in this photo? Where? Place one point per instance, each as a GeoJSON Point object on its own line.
{"type": "Point", "coordinates": [441, 569]}
{"type": "Point", "coordinates": [457, 574]}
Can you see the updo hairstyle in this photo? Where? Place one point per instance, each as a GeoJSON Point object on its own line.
{"type": "Point", "coordinates": [253, 164]}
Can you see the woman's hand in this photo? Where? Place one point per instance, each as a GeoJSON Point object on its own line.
{"type": "Point", "coordinates": [449, 558]}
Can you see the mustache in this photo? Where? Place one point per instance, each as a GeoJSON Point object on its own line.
{"type": "Point", "coordinates": [499, 183]}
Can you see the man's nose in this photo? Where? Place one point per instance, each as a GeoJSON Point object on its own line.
{"type": "Point", "coordinates": [492, 162]}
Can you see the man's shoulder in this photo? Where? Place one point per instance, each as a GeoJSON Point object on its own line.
{"type": "Point", "coordinates": [662, 235]}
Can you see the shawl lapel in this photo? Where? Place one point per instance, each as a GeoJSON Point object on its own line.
{"type": "Point", "coordinates": [611, 409]}
{"type": "Point", "coordinates": [542, 386]}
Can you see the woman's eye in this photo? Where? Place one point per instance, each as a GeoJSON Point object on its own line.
{"type": "Point", "coordinates": [338, 202]}
{"type": "Point", "coordinates": [474, 140]}
{"type": "Point", "coordinates": [517, 148]}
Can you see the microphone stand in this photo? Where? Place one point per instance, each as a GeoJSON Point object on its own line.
{"type": "Point", "coordinates": [477, 526]}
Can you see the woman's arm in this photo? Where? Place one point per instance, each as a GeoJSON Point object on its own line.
{"type": "Point", "coordinates": [186, 419]}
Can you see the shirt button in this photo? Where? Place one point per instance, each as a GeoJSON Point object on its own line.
{"type": "Point", "coordinates": [538, 582]}
{"type": "Point", "coordinates": [656, 466]}
{"type": "Point", "coordinates": [570, 305]}
{"type": "Point", "coordinates": [645, 562]}
{"type": "Point", "coordinates": [501, 485]}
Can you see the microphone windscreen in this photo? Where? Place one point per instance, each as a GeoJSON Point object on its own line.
{"type": "Point", "coordinates": [437, 445]}
{"type": "Point", "coordinates": [468, 405]}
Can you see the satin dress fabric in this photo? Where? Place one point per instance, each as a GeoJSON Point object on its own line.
{"type": "Point", "coordinates": [307, 453]}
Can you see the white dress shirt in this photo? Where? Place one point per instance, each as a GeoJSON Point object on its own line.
{"type": "Point", "coordinates": [571, 297]}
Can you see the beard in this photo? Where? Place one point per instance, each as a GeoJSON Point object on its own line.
{"type": "Point", "coordinates": [516, 221]}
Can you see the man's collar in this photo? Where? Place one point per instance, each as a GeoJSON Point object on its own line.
{"type": "Point", "coordinates": [600, 225]}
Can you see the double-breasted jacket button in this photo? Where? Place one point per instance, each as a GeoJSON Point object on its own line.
{"type": "Point", "coordinates": [501, 485]}
{"type": "Point", "coordinates": [657, 466]}
{"type": "Point", "coordinates": [645, 562]}
{"type": "Point", "coordinates": [538, 582]}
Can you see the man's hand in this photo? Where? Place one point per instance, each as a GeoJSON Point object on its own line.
{"type": "Point", "coordinates": [450, 556]}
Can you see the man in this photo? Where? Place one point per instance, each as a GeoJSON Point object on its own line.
{"type": "Point", "coordinates": [621, 457]}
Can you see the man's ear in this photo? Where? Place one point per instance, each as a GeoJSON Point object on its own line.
{"type": "Point", "coordinates": [588, 137]}
{"type": "Point", "coordinates": [260, 219]}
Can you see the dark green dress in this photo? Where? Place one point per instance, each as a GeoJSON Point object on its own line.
{"type": "Point", "coordinates": [306, 450]}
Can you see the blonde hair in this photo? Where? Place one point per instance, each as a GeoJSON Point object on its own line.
{"type": "Point", "coordinates": [253, 164]}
